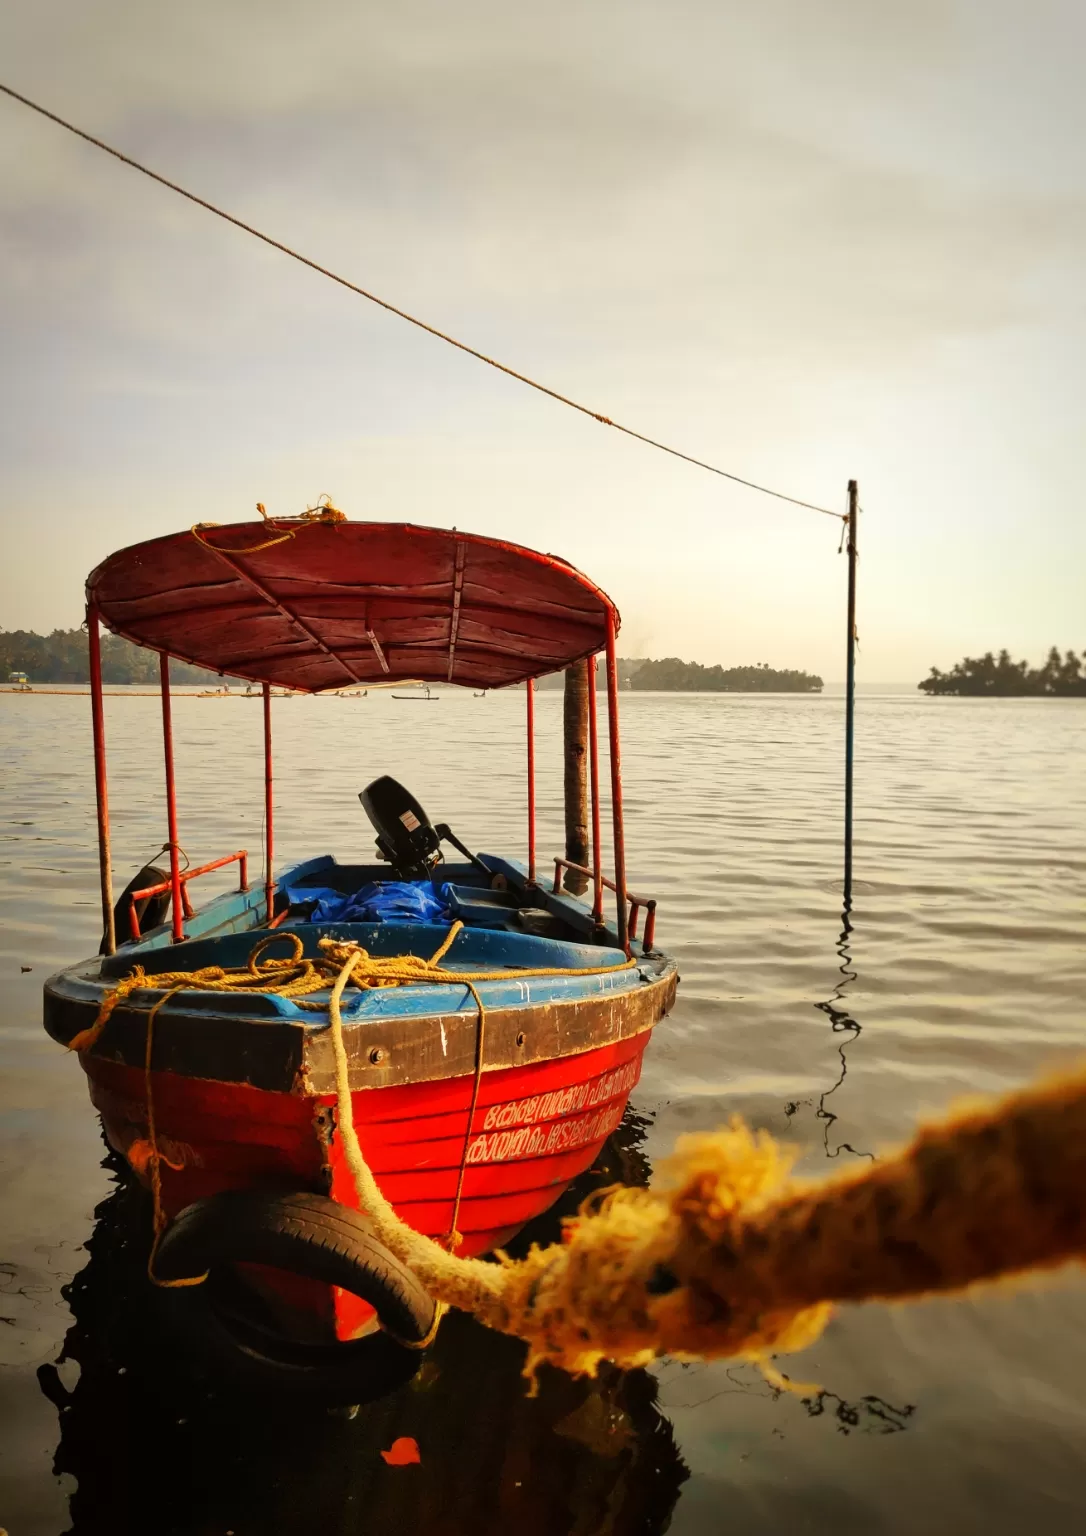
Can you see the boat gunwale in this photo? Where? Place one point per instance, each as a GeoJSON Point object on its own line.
{"type": "Point", "coordinates": [268, 1042]}
{"type": "Point", "coordinates": [295, 1055]}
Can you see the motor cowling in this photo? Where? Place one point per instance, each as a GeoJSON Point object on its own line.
{"type": "Point", "coordinates": [405, 834]}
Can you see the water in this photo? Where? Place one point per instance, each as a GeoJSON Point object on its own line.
{"type": "Point", "coordinates": [964, 972]}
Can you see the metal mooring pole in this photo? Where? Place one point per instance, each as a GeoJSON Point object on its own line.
{"type": "Point", "coordinates": [575, 754]}
{"type": "Point", "coordinates": [850, 684]}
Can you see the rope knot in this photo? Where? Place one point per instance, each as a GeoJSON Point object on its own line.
{"type": "Point", "coordinates": [323, 512]}
{"type": "Point", "coordinates": [341, 950]}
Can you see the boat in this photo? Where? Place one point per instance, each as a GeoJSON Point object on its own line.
{"type": "Point", "coordinates": [479, 1090]}
{"type": "Point", "coordinates": [422, 696]}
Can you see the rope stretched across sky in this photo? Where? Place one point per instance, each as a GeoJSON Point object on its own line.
{"type": "Point", "coordinates": [422, 325]}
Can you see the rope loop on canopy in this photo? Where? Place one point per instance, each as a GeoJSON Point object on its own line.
{"type": "Point", "coordinates": [322, 512]}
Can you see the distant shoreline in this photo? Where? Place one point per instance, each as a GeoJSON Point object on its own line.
{"type": "Point", "coordinates": [132, 691]}
{"type": "Point", "coordinates": [670, 675]}
{"type": "Point", "coordinates": [998, 677]}
{"type": "Point", "coordinates": [1023, 693]}
{"type": "Point", "coordinates": [674, 676]}
{"type": "Point", "coordinates": [832, 692]}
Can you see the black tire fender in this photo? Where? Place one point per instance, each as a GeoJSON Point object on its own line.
{"type": "Point", "coordinates": [151, 911]}
{"type": "Point", "coordinates": [308, 1235]}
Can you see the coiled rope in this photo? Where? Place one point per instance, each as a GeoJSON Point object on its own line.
{"type": "Point", "coordinates": [728, 1255]}
{"type": "Point", "coordinates": [297, 977]}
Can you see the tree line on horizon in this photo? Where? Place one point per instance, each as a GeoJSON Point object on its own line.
{"type": "Point", "coordinates": [64, 657]}
{"type": "Point", "coordinates": [674, 676]}
{"type": "Point", "coordinates": [1000, 677]}
{"type": "Point", "coordinates": [671, 675]}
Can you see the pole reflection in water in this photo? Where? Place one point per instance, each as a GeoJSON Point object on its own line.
{"type": "Point", "coordinates": [842, 1023]}
{"type": "Point", "coordinates": [154, 1451]}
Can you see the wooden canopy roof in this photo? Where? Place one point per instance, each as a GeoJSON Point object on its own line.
{"type": "Point", "coordinates": [319, 602]}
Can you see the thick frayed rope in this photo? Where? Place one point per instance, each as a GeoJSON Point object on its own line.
{"type": "Point", "coordinates": [728, 1255]}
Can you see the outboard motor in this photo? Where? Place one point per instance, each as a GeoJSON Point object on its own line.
{"type": "Point", "coordinates": [405, 834]}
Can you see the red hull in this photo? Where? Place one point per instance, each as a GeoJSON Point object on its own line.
{"type": "Point", "coordinates": [536, 1128]}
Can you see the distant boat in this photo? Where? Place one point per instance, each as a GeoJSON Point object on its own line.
{"type": "Point", "coordinates": [425, 697]}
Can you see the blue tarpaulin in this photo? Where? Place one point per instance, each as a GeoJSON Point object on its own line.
{"type": "Point", "coordinates": [403, 901]}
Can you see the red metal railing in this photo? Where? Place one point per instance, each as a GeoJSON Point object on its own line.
{"type": "Point", "coordinates": [636, 902]}
{"type": "Point", "coordinates": [241, 858]}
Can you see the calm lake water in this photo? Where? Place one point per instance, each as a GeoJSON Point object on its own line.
{"type": "Point", "coordinates": [965, 971]}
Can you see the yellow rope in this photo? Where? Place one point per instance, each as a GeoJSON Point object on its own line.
{"type": "Point", "coordinates": [454, 1239]}
{"type": "Point", "coordinates": [731, 1257]}
{"type": "Point", "coordinates": [728, 1255]}
{"type": "Point", "coordinates": [323, 512]}
{"type": "Point", "coordinates": [394, 309]}
{"type": "Point", "coordinates": [464, 1283]}
{"type": "Point", "coordinates": [297, 977]}
{"type": "Point", "coordinates": [156, 1158]}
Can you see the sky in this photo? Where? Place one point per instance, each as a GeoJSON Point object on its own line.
{"type": "Point", "coordinates": [808, 240]}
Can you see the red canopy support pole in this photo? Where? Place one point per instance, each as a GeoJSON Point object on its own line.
{"type": "Point", "coordinates": [269, 832]}
{"type": "Point", "coordinates": [98, 727]}
{"type": "Point", "coordinates": [616, 784]}
{"type": "Point", "coordinates": [171, 798]}
{"type": "Point", "coordinates": [594, 772]}
{"type": "Point", "coordinates": [530, 685]}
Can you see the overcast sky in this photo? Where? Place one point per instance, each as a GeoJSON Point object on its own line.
{"type": "Point", "coordinates": [806, 239]}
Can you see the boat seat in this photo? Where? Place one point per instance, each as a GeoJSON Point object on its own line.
{"type": "Point", "coordinates": [479, 907]}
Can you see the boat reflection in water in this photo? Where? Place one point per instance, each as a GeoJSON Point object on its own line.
{"type": "Point", "coordinates": [154, 1451]}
